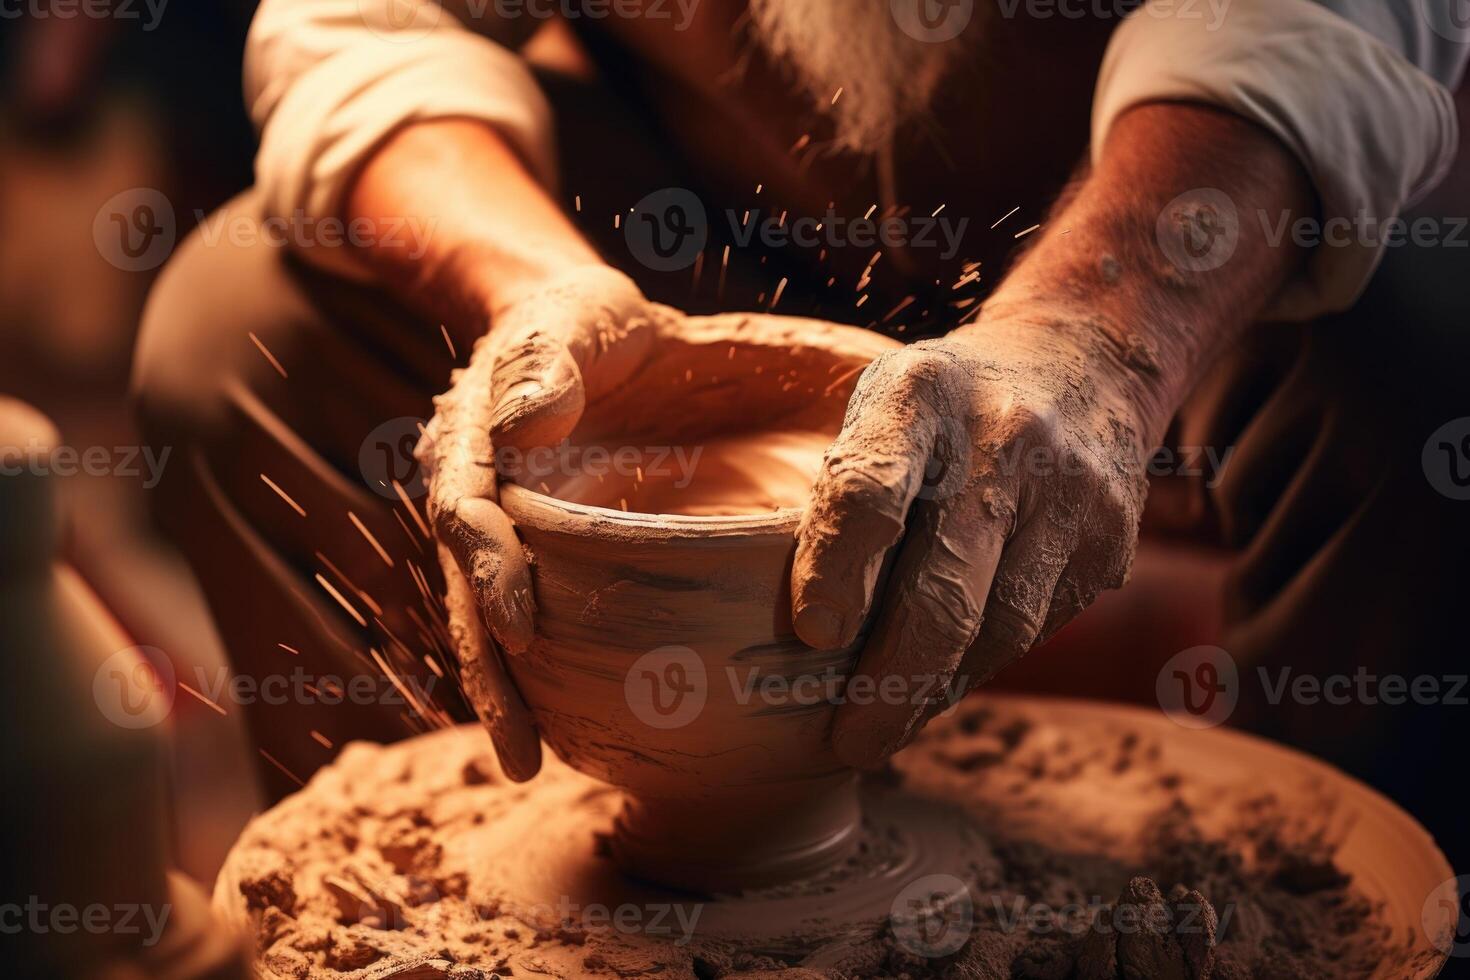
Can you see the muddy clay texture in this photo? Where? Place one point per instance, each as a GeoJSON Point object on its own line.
{"type": "Point", "coordinates": [1085, 856]}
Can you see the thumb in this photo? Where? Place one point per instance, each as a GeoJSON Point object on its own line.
{"type": "Point", "coordinates": [560, 347]}
{"type": "Point", "coordinates": [537, 392]}
{"type": "Point", "coordinates": [486, 683]}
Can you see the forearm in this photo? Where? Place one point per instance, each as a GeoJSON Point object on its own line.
{"type": "Point", "coordinates": [494, 231]}
{"type": "Point", "coordinates": [1131, 290]}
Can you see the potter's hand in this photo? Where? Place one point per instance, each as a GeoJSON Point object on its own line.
{"type": "Point", "coordinates": [548, 348]}
{"type": "Point", "coordinates": [1012, 470]}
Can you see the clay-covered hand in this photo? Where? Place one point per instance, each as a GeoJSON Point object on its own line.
{"type": "Point", "coordinates": [549, 350]}
{"type": "Point", "coordinates": [1008, 459]}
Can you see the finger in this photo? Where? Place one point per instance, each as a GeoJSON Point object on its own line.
{"type": "Point", "coordinates": [1104, 562]}
{"type": "Point", "coordinates": [930, 615]}
{"type": "Point", "coordinates": [559, 350]}
{"type": "Point", "coordinates": [862, 494]}
{"type": "Point", "coordinates": [1020, 597]}
{"type": "Point", "coordinates": [537, 392]}
{"type": "Point", "coordinates": [483, 543]}
{"type": "Point", "coordinates": [455, 448]}
{"type": "Point", "coordinates": [485, 681]}
{"type": "Point", "coordinates": [456, 451]}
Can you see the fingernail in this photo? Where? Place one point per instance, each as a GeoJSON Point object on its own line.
{"type": "Point", "coordinates": [521, 391]}
{"type": "Point", "coordinates": [820, 626]}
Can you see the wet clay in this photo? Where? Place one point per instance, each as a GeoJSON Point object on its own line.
{"type": "Point", "coordinates": [663, 603]}
{"type": "Point", "coordinates": [1013, 839]}
{"type": "Point", "coordinates": [745, 473]}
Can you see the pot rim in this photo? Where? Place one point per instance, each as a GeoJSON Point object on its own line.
{"type": "Point", "coordinates": [535, 510]}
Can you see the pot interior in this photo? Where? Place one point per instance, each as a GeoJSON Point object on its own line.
{"type": "Point", "coordinates": [720, 422]}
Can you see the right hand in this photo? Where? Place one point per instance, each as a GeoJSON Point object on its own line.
{"type": "Point", "coordinates": [552, 348]}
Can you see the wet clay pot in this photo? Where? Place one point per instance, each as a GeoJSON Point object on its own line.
{"type": "Point", "coordinates": [665, 662]}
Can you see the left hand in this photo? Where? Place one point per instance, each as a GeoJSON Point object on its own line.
{"type": "Point", "coordinates": [1008, 459]}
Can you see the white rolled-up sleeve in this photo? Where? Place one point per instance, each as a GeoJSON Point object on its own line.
{"type": "Point", "coordinates": [327, 81]}
{"type": "Point", "coordinates": [1358, 90]}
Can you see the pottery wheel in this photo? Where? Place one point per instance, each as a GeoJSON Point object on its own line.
{"type": "Point", "coordinates": [418, 860]}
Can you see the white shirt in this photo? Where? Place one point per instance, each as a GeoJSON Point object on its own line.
{"type": "Point", "coordinates": [1358, 90]}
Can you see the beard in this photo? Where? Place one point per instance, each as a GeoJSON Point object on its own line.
{"type": "Point", "coordinates": [886, 76]}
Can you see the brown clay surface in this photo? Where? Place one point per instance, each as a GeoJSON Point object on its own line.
{"type": "Point", "coordinates": [419, 860]}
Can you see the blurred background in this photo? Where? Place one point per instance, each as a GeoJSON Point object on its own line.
{"type": "Point", "coordinates": [91, 106]}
